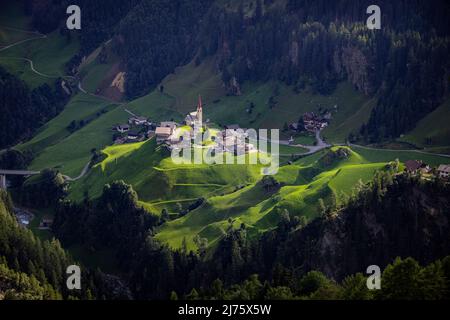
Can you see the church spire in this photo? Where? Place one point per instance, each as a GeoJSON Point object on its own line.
{"type": "Point", "coordinates": [199, 106]}
{"type": "Point", "coordinates": [200, 111]}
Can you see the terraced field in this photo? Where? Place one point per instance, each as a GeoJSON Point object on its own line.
{"type": "Point", "coordinates": [233, 194]}
{"type": "Point", "coordinates": [301, 185]}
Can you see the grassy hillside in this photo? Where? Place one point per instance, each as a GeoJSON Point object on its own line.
{"type": "Point", "coordinates": [302, 184]}
{"type": "Point", "coordinates": [189, 81]}
{"type": "Point", "coordinates": [70, 153]}
{"type": "Point", "coordinates": [433, 130]}
{"type": "Point", "coordinates": [231, 191]}
{"type": "Point", "coordinates": [80, 107]}
{"type": "Point", "coordinates": [157, 179]}
{"type": "Point", "coordinates": [49, 56]}
{"type": "Point", "coordinates": [390, 155]}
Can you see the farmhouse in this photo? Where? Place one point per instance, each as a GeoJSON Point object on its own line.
{"type": "Point", "coordinates": [163, 134]}
{"type": "Point", "coordinates": [444, 171]}
{"type": "Point", "coordinates": [313, 123]}
{"type": "Point", "coordinates": [132, 136]}
{"type": "Point", "coordinates": [415, 166]}
{"type": "Point", "coordinates": [169, 124]}
{"type": "Point", "coordinates": [138, 121]}
{"type": "Point", "coordinates": [122, 128]}
{"type": "Point", "coordinates": [232, 127]}
{"type": "Point", "coordinates": [45, 224]}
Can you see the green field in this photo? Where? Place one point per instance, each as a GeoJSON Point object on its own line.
{"type": "Point", "coordinates": [49, 54]}
{"type": "Point", "coordinates": [432, 131]}
{"type": "Point", "coordinates": [390, 155]}
{"type": "Point", "coordinates": [230, 191]}
{"type": "Point", "coordinates": [302, 184]}
{"type": "Point", "coordinates": [70, 153]}
{"type": "Point", "coordinates": [80, 107]}
{"type": "Point", "coordinates": [353, 108]}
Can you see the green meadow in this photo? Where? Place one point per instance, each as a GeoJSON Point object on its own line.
{"type": "Point", "coordinates": [186, 83]}
{"type": "Point", "coordinates": [49, 56]}
{"type": "Point", "coordinates": [432, 132]}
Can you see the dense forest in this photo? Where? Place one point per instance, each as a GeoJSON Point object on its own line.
{"type": "Point", "coordinates": [394, 216]}
{"type": "Point", "coordinates": [29, 268]}
{"type": "Point", "coordinates": [33, 269]}
{"type": "Point", "coordinates": [24, 110]}
{"type": "Point", "coordinates": [318, 43]}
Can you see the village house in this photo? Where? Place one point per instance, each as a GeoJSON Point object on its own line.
{"type": "Point", "coordinates": [313, 123]}
{"type": "Point", "coordinates": [138, 121]}
{"type": "Point", "coordinates": [228, 140]}
{"type": "Point", "coordinates": [45, 224]}
{"type": "Point", "coordinates": [169, 124]}
{"type": "Point", "coordinates": [163, 134]}
{"type": "Point", "coordinates": [122, 128]}
{"type": "Point", "coordinates": [232, 127]}
{"type": "Point", "coordinates": [444, 171]}
{"type": "Point", "coordinates": [415, 166]}
{"type": "Point", "coordinates": [133, 136]}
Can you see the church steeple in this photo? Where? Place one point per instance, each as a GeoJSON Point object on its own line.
{"type": "Point", "coordinates": [200, 110]}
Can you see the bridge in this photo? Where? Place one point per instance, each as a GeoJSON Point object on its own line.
{"type": "Point", "coordinates": [4, 173]}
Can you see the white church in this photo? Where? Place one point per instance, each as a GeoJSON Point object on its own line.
{"type": "Point", "coordinates": [195, 119]}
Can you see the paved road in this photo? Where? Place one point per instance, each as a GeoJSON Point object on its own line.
{"type": "Point", "coordinates": [80, 87]}
{"type": "Point", "coordinates": [320, 145]}
{"type": "Point", "coordinates": [39, 36]}
{"type": "Point", "coordinates": [18, 172]}
{"type": "Point", "coordinates": [82, 174]}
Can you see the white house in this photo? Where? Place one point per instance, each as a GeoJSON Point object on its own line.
{"type": "Point", "coordinates": [444, 170]}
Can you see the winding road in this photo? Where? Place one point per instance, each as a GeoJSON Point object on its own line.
{"type": "Point", "coordinates": [39, 36]}
{"type": "Point", "coordinates": [33, 69]}
{"type": "Point", "coordinates": [82, 174]}
{"type": "Point", "coordinates": [320, 144]}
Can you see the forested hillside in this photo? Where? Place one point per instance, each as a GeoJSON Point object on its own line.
{"type": "Point", "coordinates": [381, 230]}
{"type": "Point", "coordinates": [42, 263]}
{"type": "Point", "coordinates": [306, 44]}
{"type": "Point", "coordinates": [24, 110]}
{"type": "Point", "coordinates": [319, 43]}
{"type": "Point", "coordinates": [32, 269]}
